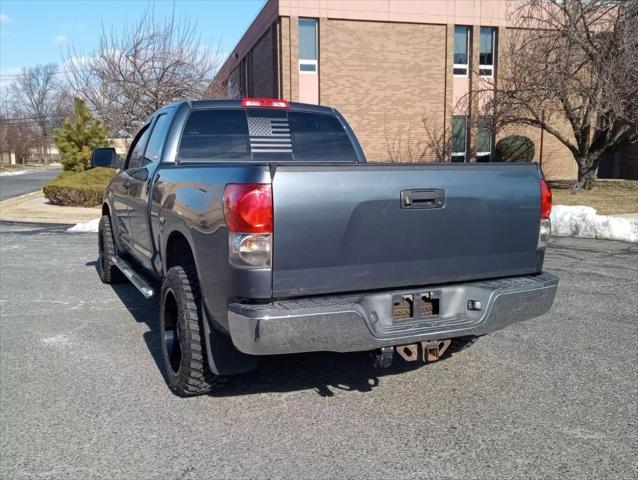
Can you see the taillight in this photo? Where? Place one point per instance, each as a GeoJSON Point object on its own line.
{"type": "Point", "coordinates": [248, 207]}
{"type": "Point", "coordinates": [546, 199]}
{"type": "Point", "coordinates": [546, 210]}
{"type": "Point", "coordinates": [264, 102]}
{"type": "Point", "coordinates": [248, 212]}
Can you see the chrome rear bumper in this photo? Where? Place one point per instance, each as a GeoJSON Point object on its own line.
{"type": "Point", "coordinates": [357, 322]}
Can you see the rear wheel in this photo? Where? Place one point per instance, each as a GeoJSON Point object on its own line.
{"type": "Point", "coordinates": [182, 332]}
{"type": "Point", "coordinates": [108, 272]}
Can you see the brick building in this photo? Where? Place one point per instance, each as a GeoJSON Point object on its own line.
{"type": "Point", "coordinates": [395, 69]}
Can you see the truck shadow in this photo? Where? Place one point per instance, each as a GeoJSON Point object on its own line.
{"type": "Point", "coordinates": [323, 372]}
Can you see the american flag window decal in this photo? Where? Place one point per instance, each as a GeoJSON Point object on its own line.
{"type": "Point", "coordinates": [269, 135]}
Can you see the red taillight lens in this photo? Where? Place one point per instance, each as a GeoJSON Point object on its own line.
{"type": "Point", "coordinates": [546, 199]}
{"type": "Point", "coordinates": [248, 207]}
{"type": "Point", "coordinates": [264, 102]}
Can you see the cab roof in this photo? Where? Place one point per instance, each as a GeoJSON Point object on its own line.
{"type": "Point", "coordinates": [237, 103]}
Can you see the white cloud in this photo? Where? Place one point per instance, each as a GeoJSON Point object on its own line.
{"type": "Point", "coordinates": [61, 39]}
{"type": "Point", "coordinates": [5, 19]}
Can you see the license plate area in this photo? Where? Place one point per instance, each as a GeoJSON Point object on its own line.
{"type": "Point", "coordinates": [414, 306]}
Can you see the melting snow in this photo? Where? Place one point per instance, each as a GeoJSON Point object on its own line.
{"type": "Point", "coordinates": [18, 172]}
{"type": "Point", "coordinates": [90, 227]}
{"type": "Point", "coordinates": [580, 221]}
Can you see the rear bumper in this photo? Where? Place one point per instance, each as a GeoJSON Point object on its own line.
{"type": "Point", "coordinates": [348, 323]}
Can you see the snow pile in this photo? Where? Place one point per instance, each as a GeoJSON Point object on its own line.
{"type": "Point", "coordinates": [88, 227]}
{"type": "Point", "coordinates": [580, 221]}
{"type": "Point", "coordinates": [17, 172]}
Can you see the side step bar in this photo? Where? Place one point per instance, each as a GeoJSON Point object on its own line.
{"type": "Point", "coordinates": [136, 279]}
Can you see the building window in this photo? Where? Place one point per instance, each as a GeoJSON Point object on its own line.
{"type": "Point", "coordinates": [488, 47]}
{"type": "Point", "coordinates": [484, 139]}
{"type": "Point", "coordinates": [459, 138]}
{"type": "Point", "coordinates": [461, 51]}
{"type": "Point", "coordinates": [232, 89]}
{"type": "Point", "coordinates": [245, 86]}
{"type": "Point", "coordinates": [308, 45]}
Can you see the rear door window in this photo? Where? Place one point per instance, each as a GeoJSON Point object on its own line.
{"type": "Point", "coordinates": [264, 135]}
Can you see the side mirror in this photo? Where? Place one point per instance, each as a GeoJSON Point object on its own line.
{"type": "Point", "coordinates": [104, 157]}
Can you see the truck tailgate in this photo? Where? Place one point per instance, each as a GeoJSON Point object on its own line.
{"type": "Point", "coordinates": [348, 228]}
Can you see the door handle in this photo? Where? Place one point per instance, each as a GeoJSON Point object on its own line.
{"type": "Point", "coordinates": [423, 198]}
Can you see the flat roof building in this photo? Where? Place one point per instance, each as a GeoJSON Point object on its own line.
{"type": "Point", "coordinates": [396, 69]}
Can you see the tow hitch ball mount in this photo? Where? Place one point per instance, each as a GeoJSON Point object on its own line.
{"type": "Point", "coordinates": [426, 351]}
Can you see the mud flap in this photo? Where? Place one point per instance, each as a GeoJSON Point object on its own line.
{"type": "Point", "coordinates": [223, 357]}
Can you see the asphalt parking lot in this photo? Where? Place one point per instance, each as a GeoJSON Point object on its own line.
{"type": "Point", "coordinates": [14, 185]}
{"type": "Point", "coordinates": [82, 396]}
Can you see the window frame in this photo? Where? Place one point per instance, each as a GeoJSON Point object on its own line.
{"type": "Point", "coordinates": [468, 53]}
{"type": "Point", "coordinates": [314, 64]}
{"type": "Point", "coordinates": [488, 67]}
{"type": "Point", "coordinates": [164, 139]}
{"type": "Point", "coordinates": [145, 128]}
{"type": "Point", "coordinates": [246, 75]}
{"type": "Point", "coordinates": [308, 62]}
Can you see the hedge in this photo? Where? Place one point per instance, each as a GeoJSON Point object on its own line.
{"type": "Point", "coordinates": [79, 189]}
{"type": "Point", "coordinates": [515, 148]}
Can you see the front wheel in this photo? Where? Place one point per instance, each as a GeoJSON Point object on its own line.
{"type": "Point", "coordinates": [108, 272]}
{"type": "Point", "coordinates": [182, 332]}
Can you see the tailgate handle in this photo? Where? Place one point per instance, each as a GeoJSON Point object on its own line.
{"type": "Point", "coordinates": [426, 198]}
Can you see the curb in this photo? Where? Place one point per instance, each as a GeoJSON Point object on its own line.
{"type": "Point", "coordinates": [32, 169]}
{"type": "Point", "coordinates": [11, 211]}
{"type": "Point", "coordinates": [37, 224]}
{"type": "Point", "coordinates": [19, 198]}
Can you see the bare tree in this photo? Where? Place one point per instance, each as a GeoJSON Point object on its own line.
{"type": "Point", "coordinates": [217, 90]}
{"type": "Point", "coordinates": [427, 143]}
{"type": "Point", "coordinates": [569, 67]}
{"type": "Point", "coordinates": [37, 94]}
{"type": "Point", "coordinates": [137, 70]}
{"type": "Point", "coordinates": [18, 136]}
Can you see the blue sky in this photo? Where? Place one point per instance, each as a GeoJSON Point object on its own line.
{"type": "Point", "coordinates": [39, 31]}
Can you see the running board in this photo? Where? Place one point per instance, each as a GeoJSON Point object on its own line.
{"type": "Point", "coordinates": [136, 279]}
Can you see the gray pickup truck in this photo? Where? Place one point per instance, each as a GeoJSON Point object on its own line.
{"type": "Point", "coordinates": [264, 231]}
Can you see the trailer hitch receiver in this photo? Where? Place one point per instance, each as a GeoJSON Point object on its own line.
{"type": "Point", "coordinates": [426, 351]}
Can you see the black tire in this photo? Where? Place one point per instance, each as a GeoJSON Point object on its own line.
{"type": "Point", "coordinates": [108, 272]}
{"type": "Point", "coordinates": [182, 334]}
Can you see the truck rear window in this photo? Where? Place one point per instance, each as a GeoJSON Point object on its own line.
{"type": "Point", "coordinates": [264, 135]}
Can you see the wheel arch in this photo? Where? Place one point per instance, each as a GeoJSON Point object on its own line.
{"type": "Point", "coordinates": [178, 250]}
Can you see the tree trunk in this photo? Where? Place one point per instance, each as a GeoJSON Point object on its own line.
{"type": "Point", "coordinates": [586, 172]}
